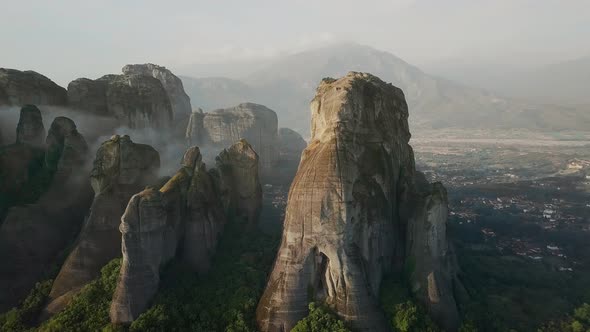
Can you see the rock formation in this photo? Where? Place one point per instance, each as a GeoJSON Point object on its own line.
{"type": "Point", "coordinates": [32, 236]}
{"type": "Point", "coordinates": [185, 213]}
{"type": "Point", "coordinates": [291, 144]}
{"type": "Point", "coordinates": [181, 103]}
{"type": "Point", "coordinates": [348, 211]}
{"type": "Point", "coordinates": [138, 101]}
{"type": "Point", "coordinates": [121, 169]}
{"type": "Point", "coordinates": [30, 129]}
{"type": "Point", "coordinates": [184, 217]}
{"type": "Point", "coordinates": [240, 186]}
{"type": "Point", "coordinates": [20, 88]}
{"type": "Point", "coordinates": [220, 128]}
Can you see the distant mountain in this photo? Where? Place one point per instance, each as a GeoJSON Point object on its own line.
{"type": "Point", "coordinates": [287, 85]}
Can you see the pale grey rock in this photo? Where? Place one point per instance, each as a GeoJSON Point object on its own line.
{"type": "Point", "coordinates": [19, 88]}
{"type": "Point", "coordinates": [195, 131]}
{"type": "Point", "coordinates": [30, 129]}
{"type": "Point", "coordinates": [348, 208]}
{"type": "Point", "coordinates": [222, 127]}
{"type": "Point", "coordinates": [121, 169]}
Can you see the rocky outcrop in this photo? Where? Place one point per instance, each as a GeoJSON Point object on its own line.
{"type": "Point", "coordinates": [291, 144]}
{"type": "Point", "coordinates": [181, 103]}
{"type": "Point", "coordinates": [30, 129]}
{"type": "Point", "coordinates": [138, 101]}
{"type": "Point", "coordinates": [32, 236]}
{"type": "Point", "coordinates": [240, 186]}
{"type": "Point", "coordinates": [121, 169]}
{"type": "Point", "coordinates": [185, 213]}
{"type": "Point", "coordinates": [349, 208]}
{"type": "Point", "coordinates": [20, 88]}
{"type": "Point", "coordinates": [222, 127]}
{"type": "Point", "coordinates": [195, 131]}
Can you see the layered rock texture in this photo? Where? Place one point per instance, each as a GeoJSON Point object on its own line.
{"type": "Point", "coordinates": [138, 101]}
{"type": "Point", "coordinates": [222, 127]}
{"type": "Point", "coordinates": [20, 88]}
{"type": "Point", "coordinates": [121, 169]}
{"type": "Point", "coordinates": [349, 212]}
{"type": "Point", "coordinates": [240, 186]}
{"type": "Point", "coordinates": [183, 218]}
{"type": "Point", "coordinates": [181, 103]}
{"type": "Point", "coordinates": [33, 235]}
{"type": "Point", "coordinates": [291, 145]}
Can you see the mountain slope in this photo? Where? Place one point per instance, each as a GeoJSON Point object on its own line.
{"type": "Point", "coordinates": [287, 84]}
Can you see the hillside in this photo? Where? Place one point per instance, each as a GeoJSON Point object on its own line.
{"type": "Point", "coordinates": [287, 84]}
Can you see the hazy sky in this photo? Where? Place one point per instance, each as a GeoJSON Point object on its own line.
{"type": "Point", "coordinates": [66, 39]}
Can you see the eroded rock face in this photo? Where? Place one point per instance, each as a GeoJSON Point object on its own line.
{"type": "Point", "coordinates": [30, 129]}
{"type": "Point", "coordinates": [240, 185]}
{"type": "Point", "coordinates": [195, 131]}
{"type": "Point", "coordinates": [138, 101]}
{"type": "Point", "coordinates": [346, 214]}
{"type": "Point", "coordinates": [291, 144]}
{"type": "Point", "coordinates": [221, 128]}
{"type": "Point", "coordinates": [181, 103]}
{"type": "Point", "coordinates": [121, 169]}
{"type": "Point", "coordinates": [434, 265]}
{"type": "Point", "coordinates": [184, 213]}
{"type": "Point", "coordinates": [20, 88]}
{"type": "Point", "coordinates": [53, 221]}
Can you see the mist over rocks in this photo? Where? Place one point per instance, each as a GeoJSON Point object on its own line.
{"type": "Point", "coordinates": [121, 169]}
{"type": "Point", "coordinates": [18, 88]}
{"type": "Point", "coordinates": [34, 232]}
{"type": "Point", "coordinates": [222, 127]}
{"type": "Point", "coordinates": [30, 129]}
{"type": "Point", "coordinates": [348, 209]}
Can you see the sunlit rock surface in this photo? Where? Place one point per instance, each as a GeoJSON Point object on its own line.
{"type": "Point", "coordinates": [347, 213]}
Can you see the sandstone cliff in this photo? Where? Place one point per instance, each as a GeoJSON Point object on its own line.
{"type": "Point", "coordinates": [19, 88]}
{"type": "Point", "coordinates": [181, 103]}
{"type": "Point", "coordinates": [240, 186]}
{"type": "Point", "coordinates": [121, 169]}
{"type": "Point", "coordinates": [184, 217]}
{"type": "Point", "coordinates": [138, 101]}
{"type": "Point", "coordinates": [222, 127]}
{"type": "Point", "coordinates": [347, 212]}
{"type": "Point", "coordinates": [33, 235]}
{"type": "Point", "coordinates": [185, 213]}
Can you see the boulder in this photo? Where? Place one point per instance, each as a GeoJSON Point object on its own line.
{"type": "Point", "coordinates": [121, 169]}
{"type": "Point", "coordinates": [348, 208]}
{"type": "Point", "coordinates": [20, 88]}
{"type": "Point", "coordinates": [184, 216]}
{"type": "Point", "coordinates": [240, 186]}
{"type": "Point", "coordinates": [30, 129]}
{"type": "Point", "coordinates": [51, 223]}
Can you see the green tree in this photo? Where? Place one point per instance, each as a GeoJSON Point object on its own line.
{"type": "Point", "coordinates": [320, 319]}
